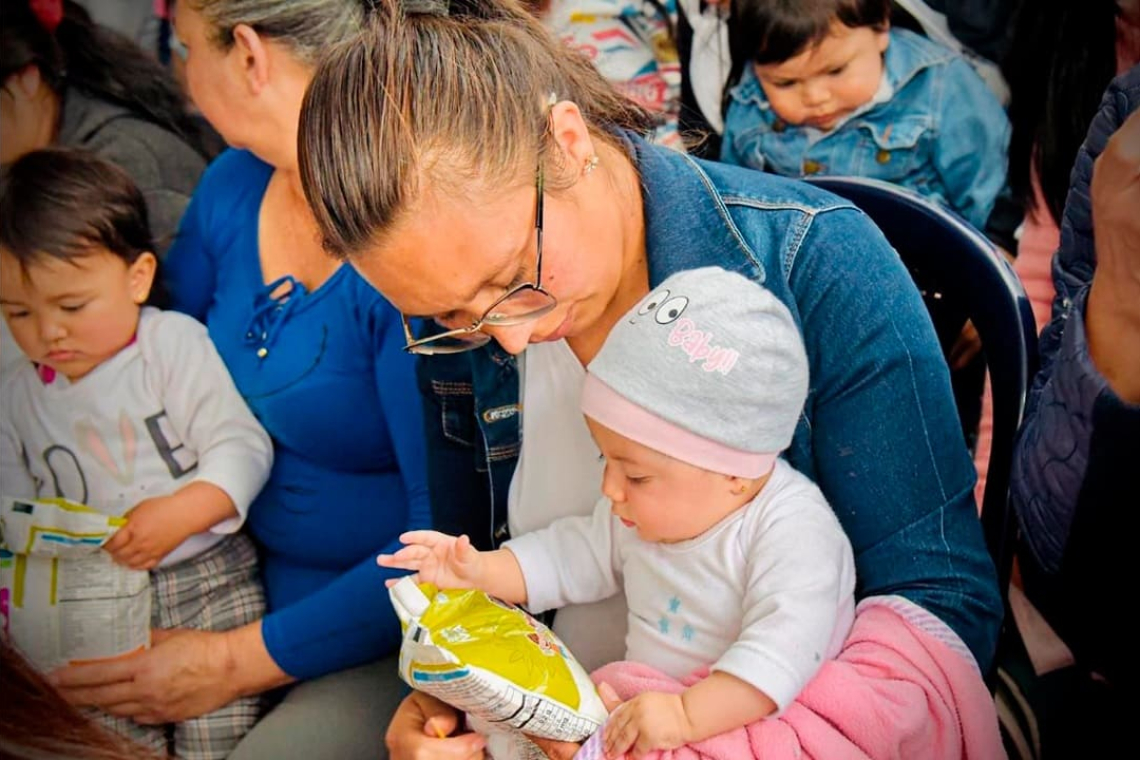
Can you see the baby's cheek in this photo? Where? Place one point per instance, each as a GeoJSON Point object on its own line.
{"type": "Point", "coordinates": [787, 108]}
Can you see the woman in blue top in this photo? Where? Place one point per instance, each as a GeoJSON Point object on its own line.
{"type": "Point", "coordinates": [419, 146]}
{"type": "Point", "coordinates": [318, 355]}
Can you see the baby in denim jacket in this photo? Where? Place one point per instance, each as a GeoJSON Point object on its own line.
{"type": "Point", "coordinates": [826, 87]}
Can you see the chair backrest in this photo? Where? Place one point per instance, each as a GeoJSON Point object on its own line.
{"type": "Point", "coordinates": [962, 276]}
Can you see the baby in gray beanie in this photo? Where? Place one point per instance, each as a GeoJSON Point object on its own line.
{"type": "Point", "coordinates": [731, 561]}
{"type": "Point", "coordinates": [709, 369]}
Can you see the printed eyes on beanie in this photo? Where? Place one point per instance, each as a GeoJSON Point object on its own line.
{"type": "Point", "coordinates": [671, 310]}
{"type": "Point", "coordinates": [652, 302]}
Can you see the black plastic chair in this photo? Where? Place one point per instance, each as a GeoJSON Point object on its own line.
{"type": "Point", "coordinates": [962, 276]}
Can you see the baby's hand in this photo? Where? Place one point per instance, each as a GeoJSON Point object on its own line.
{"type": "Point", "coordinates": [154, 528]}
{"type": "Point", "coordinates": [446, 561]}
{"type": "Point", "coordinates": [648, 722]}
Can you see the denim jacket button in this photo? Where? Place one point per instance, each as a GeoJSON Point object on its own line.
{"type": "Point", "coordinates": [812, 167]}
{"type": "Point", "coordinates": [883, 156]}
{"type": "Point", "coordinates": [779, 125]}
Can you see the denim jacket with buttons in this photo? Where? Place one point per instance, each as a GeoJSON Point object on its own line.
{"type": "Point", "coordinates": [879, 433]}
{"type": "Point", "coordinates": [942, 133]}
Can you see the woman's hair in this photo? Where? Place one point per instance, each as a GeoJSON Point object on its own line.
{"type": "Point", "coordinates": [772, 31]}
{"type": "Point", "coordinates": [81, 54]}
{"type": "Point", "coordinates": [307, 27]}
{"type": "Point", "coordinates": [1061, 59]}
{"type": "Point", "coordinates": [446, 99]}
{"type": "Point", "coordinates": [62, 202]}
{"type": "Point", "coordinates": [37, 724]}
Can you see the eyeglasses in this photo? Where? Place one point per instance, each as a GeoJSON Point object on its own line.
{"type": "Point", "coordinates": [519, 305]}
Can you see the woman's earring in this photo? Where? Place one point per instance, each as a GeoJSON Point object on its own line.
{"type": "Point", "coordinates": [591, 164]}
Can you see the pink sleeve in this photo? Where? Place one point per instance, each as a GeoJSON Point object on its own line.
{"type": "Point", "coordinates": [1040, 238]}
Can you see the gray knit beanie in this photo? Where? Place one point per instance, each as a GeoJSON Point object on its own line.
{"type": "Point", "coordinates": [709, 368]}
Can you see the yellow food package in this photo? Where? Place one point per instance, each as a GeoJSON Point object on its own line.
{"type": "Point", "coordinates": [54, 527]}
{"type": "Point", "coordinates": [495, 662]}
{"type": "Point", "coordinates": [63, 599]}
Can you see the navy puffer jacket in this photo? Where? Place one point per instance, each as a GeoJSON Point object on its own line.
{"type": "Point", "coordinates": [1074, 471]}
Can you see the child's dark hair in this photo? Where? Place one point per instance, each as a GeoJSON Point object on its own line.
{"type": "Point", "coordinates": [62, 202]}
{"type": "Point", "coordinates": [771, 31]}
{"type": "Point", "coordinates": [1061, 59]}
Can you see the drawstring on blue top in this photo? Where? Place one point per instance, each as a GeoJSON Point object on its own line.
{"type": "Point", "coordinates": [270, 312]}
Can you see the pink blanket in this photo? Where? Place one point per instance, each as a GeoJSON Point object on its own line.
{"type": "Point", "coordinates": [895, 691]}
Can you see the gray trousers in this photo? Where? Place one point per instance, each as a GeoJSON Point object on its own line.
{"type": "Point", "coordinates": [341, 716]}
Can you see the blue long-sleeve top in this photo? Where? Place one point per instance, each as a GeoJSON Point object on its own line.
{"type": "Point", "coordinates": [326, 375]}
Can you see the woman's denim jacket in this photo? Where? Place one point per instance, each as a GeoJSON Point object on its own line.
{"type": "Point", "coordinates": [942, 134]}
{"type": "Point", "coordinates": [879, 432]}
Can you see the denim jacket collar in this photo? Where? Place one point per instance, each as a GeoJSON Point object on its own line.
{"type": "Point", "coordinates": [671, 181]}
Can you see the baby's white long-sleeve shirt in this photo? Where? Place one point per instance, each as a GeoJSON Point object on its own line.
{"type": "Point", "coordinates": [765, 595]}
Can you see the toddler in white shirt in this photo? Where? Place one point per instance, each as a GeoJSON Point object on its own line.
{"type": "Point", "coordinates": [127, 409]}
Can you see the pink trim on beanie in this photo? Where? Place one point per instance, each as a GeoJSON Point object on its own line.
{"type": "Point", "coordinates": [624, 417]}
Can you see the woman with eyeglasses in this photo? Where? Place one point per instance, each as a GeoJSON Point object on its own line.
{"type": "Point", "coordinates": [478, 173]}
{"type": "Point", "coordinates": [318, 355]}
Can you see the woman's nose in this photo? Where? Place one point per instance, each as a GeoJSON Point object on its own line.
{"type": "Point", "coordinates": [514, 338]}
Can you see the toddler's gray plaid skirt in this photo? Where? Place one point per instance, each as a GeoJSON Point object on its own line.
{"type": "Point", "coordinates": [218, 590]}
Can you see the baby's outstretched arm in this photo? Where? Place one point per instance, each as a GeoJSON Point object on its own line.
{"type": "Point", "coordinates": [451, 562]}
{"type": "Point", "coordinates": [654, 721]}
